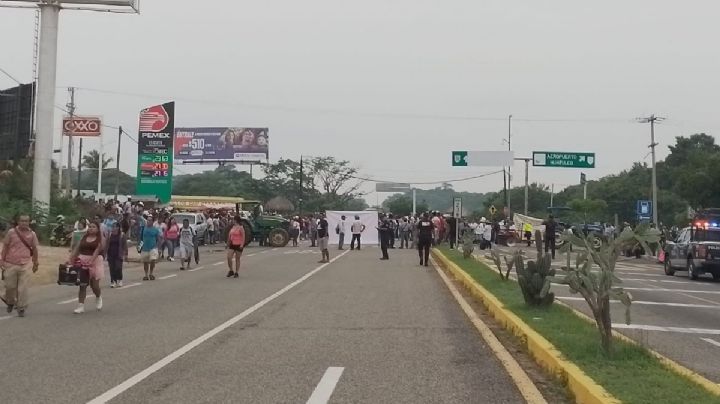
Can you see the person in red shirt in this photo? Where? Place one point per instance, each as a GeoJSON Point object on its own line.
{"type": "Point", "coordinates": [235, 246]}
{"type": "Point", "coordinates": [19, 257]}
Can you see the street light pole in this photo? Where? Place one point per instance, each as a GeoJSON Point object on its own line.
{"type": "Point", "coordinates": [509, 178]}
{"type": "Point", "coordinates": [652, 119]}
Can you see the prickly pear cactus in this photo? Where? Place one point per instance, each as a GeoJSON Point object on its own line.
{"type": "Point", "coordinates": [534, 278]}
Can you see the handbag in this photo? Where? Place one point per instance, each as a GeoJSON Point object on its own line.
{"type": "Point", "coordinates": [73, 275]}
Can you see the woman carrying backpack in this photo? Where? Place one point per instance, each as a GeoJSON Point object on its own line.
{"type": "Point", "coordinates": [235, 246]}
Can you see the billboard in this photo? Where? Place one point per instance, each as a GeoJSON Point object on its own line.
{"type": "Point", "coordinates": [16, 115]}
{"type": "Point", "coordinates": [195, 145]}
{"type": "Point", "coordinates": [82, 126]}
{"type": "Point", "coordinates": [155, 145]}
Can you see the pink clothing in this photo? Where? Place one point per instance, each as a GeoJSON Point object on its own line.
{"type": "Point", "coordinates": [97, 268]}
{"type": "Point", "coordinates": [16, 252]}
{"type": "Point", "coordinates": [172, 232]}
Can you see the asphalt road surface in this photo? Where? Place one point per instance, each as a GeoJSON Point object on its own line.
{"type": "Point", "coordinates": [289, 330]}
{"type": "Point", "coordinates": [674, 315]}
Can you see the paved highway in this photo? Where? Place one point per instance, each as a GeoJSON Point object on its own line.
{"type": "Point", "coordinates": [289, 330]}
{"type": "Point", "coordinates": [676, 316]}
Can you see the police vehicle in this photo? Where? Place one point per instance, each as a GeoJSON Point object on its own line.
{"type": "Point", "coordinates": [696, 249]}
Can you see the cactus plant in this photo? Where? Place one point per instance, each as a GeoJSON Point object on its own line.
{"type": "Point", "coordinates": [598, 287]}
{"type": "Point", "coordinates": [534, 278]}
{"type": "Point", "coordinates": [508, 263]}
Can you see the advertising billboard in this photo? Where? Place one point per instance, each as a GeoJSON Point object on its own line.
{"type": "Point", "coordinates": [155, 145]}
{"type": "Point", "coordinates": [195, 145]}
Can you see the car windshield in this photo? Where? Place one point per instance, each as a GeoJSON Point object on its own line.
{"type": "Point", "coordinates": [180, 217]}
{"type": "Point", "coordinates": [707, 235]}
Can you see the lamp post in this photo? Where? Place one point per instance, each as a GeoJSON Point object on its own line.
{"type": "Point", "coordinates": [47, 68]}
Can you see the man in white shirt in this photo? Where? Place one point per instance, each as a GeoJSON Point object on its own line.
{"type": "Point", "coordinates": [340, 230]}
{"type": "Point", "coordinates": [357, 228]}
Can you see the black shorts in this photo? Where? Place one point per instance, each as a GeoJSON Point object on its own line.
{"type": "Point", "coordinates": [236, 248]}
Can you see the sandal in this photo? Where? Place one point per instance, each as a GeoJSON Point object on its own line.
{"type": "Point", "coordinates": [145, 278]}
{"type": "Point", "coordinates": [152, 277]}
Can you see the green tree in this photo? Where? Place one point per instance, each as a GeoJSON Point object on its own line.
{"type": "Point", "coordinates": [92, 158]}
{"type": "Point", "coordinates": [401, 204]}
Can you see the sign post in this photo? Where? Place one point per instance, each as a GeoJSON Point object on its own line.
{"type": "Point", "coordinates": [457, 214]}
{"type": "Point", "coordinates": [465, 158]}
{"type": "Point", "coordinates": [563, 159]}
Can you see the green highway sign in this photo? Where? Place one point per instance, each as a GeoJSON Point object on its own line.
{"type": "Point", "coordinates": [459, 158]}
{"type": "Point", "coordinates": [482, 158]}
{"type": "Point", "coordinates": [563, 159]}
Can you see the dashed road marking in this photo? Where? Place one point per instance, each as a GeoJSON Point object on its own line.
{"type": "Point", "coordinates": [167, 276]}
{"type": "Point", "coordinates": [648, 303]}
{"type": "Point", "coordinates": [196, 269]}
{"type": "Point", "coordinates": [218, 263]}
{"type": "Point", "coordinates": [324, 389]}
{"type": "Point", "coordinates": [711, 341]}
{"type": "Point", "coordinates": [682, 330]}
{"type": "Point", "coordinates": [5, 318]}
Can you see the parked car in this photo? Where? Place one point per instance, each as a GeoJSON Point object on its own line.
{"type": "Point", "coordinates": [695, 250]}
{"type": "Point", "coordinates": [198, 222]}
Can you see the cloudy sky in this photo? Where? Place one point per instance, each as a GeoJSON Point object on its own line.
{"type": "Point", "coordinates": [395, 85]}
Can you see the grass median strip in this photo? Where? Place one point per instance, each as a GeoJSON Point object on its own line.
{"type": "Point", "coordinates": [632, 374]}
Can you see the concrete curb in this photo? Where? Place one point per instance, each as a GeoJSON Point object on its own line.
{"type": "Point", "coordinates": [584, 389]}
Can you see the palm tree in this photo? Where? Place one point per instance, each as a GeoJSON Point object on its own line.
{"type": "Point", "coordinates": [91, 160]}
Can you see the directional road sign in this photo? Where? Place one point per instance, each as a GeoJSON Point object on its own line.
{"type": "Point", "coordinates": [391, 187]}
{"type": "Point", "coordinates": [563, 159]}
{"type": "Point", "coordinates": [478, 158]}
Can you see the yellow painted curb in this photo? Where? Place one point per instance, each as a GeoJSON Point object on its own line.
{"type": "Point", "coordinates": [584, 389]}
{"type": "Point", "coordinates": [667, 362]}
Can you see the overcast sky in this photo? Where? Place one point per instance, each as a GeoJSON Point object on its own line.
{"type": "Point", "coordinates": [394, 86]}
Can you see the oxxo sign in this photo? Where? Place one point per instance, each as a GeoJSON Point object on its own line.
{"type": "Point", "coordinates": [82, 126]}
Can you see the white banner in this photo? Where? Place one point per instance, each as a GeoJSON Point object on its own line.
{"type": "Point", "coordinates": [367, 217]}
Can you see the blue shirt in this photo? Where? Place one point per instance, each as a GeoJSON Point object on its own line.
{"type": "Point", "coordinates": [149, 238]}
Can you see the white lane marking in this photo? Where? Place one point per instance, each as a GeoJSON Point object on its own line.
{"type": "Point", "coordinates": [699, 298]}
{"type": "Point", "coordinates": [196, 269]}
{"type": "Point", "coordinates": [327, 384]}
{"type": "Point", "coordinates": [75, 299]}
{"type": "Point", "coordinates": [664, 281]}
{"type": "Point", "coordinates": [714, 292]}
{"type": "Point", "coordinates": [711, 341]}
{"type": "Point", "coordinates": [262, 252]}
{"type": "Point", "coordinates": [682, 330]}
{"type": "Point", "coordinates": [167, 276]}
{"type": "Point", "coordinates": [274, 249]}
{"type": "Point", "coordinates": [218, 263]}
{"type": "Point", "coordinates": [144, 374]}
{"type": "Point", "coordinates": [132, 285]}
{"type": "Point", "coordinates": [251, 255]}
{"type": "Point", "coordinates": [647, 303]}
{"type": "Point", "coordinates": [5, 318]}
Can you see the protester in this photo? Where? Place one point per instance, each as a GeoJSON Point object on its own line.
{"type": "Point", "coordinates": [452, 231]}
{"type": "Point", "coordinates": [527, 232]}
{"type": "Point", "coordinates": [171, 237]}
{"type": "Point", "coordinates": [340, 230]}
{"type": "Point", "coordinates": [88, 254]}
{"type": "Point", "coordinates": [312, 225]}
{"type": "Point", "coordinates": [390, 234]}
{"type": "Point", "coordinates": [323, 238]}
{"type": "Point", "coordinates": [150, 239]}
{"type": "Point", "coordinates": [235, 246]}
{"type": "Point", "coordinates": [79, 231]}
{"type": "Point", "coordinates": [186, 246]}
{"type": "Point", "coordinates": [116, 252]}
{"type": "Point", "coordinates": [295, 230]}
{"type": "Point", "coordinates": [405, 232]}
{"type": "Point", "coordinates": [436, 228]}
{"type": "Point", "coordinates": [426, 230]}
{"type": "Point", "coordinates": [19, 257]}
{"type": "Point", "coordinates": [357, 229]}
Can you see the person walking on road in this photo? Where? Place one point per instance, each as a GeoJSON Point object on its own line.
{"type": "Point", "coordinates": [452, 231]}
{"type": "Point", "coordinates": [88, 254]}
{"type": "Point", "coordinates": [295, 230]}
{"type": "Point", "coordinates": [550, 230]}
{"type": "Point", "coordinates": [235, 246]}
{"type": "Point", "coordinates": [150, 239]}
{"type": "Point", "coordinates": [171, 238]}
{"type": "Point", "coordinates": [391, 233]}
{"type": "Point", "coordinates": [340, 230]}
{"type": "Point", "coordinates": [357, 228]}
{"type": "Point", "coordinates": [187, 244]}
{"type": "Point", "coordinates": [322, 238]}
{"type": "Point", "coordinates": [384, 229]}
{"type": "Point", "coordinates": [527, 232]}
{"type": "Point", "coordinates": [116, 252]}
{"type": "Point", "coordinates": [312, 228]}
{"type": "Point", "coordinates": [19, 257]}
{"type": "Point", "coordinates": [405, 230]}
{"type": "Point", "coordinates": [426, 231]}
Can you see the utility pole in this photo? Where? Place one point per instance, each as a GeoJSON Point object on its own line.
{"type": "Point", "coordinates": [79, 168]}
{"type": "Point", "coordinates": [300, 199]}
{"type": "Point", "coordinates": [414, 193]}
{"type": "Point", "coordinates": [527, 186]}
{"type": "Point", "coordinates": [509, 179]}
{"type": "Point", "coordinates": [101, 157]}
{"type": "Point", "coordinates": [117, 163]}
{"type": "Point", "coordinates": [552, 194]}
{"type": "Point", "coordinates": [71, 111]}
{"type": "Point", "coordinates": [652, 119]}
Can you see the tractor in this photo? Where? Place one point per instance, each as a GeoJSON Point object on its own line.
{"type": "Point", "coordinates": [267, 229]}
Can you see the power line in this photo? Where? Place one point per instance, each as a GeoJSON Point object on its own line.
{"type": "Point", "coordinates": [10, 75]}
{"type": "Point", "coordinates": [431, 182]}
